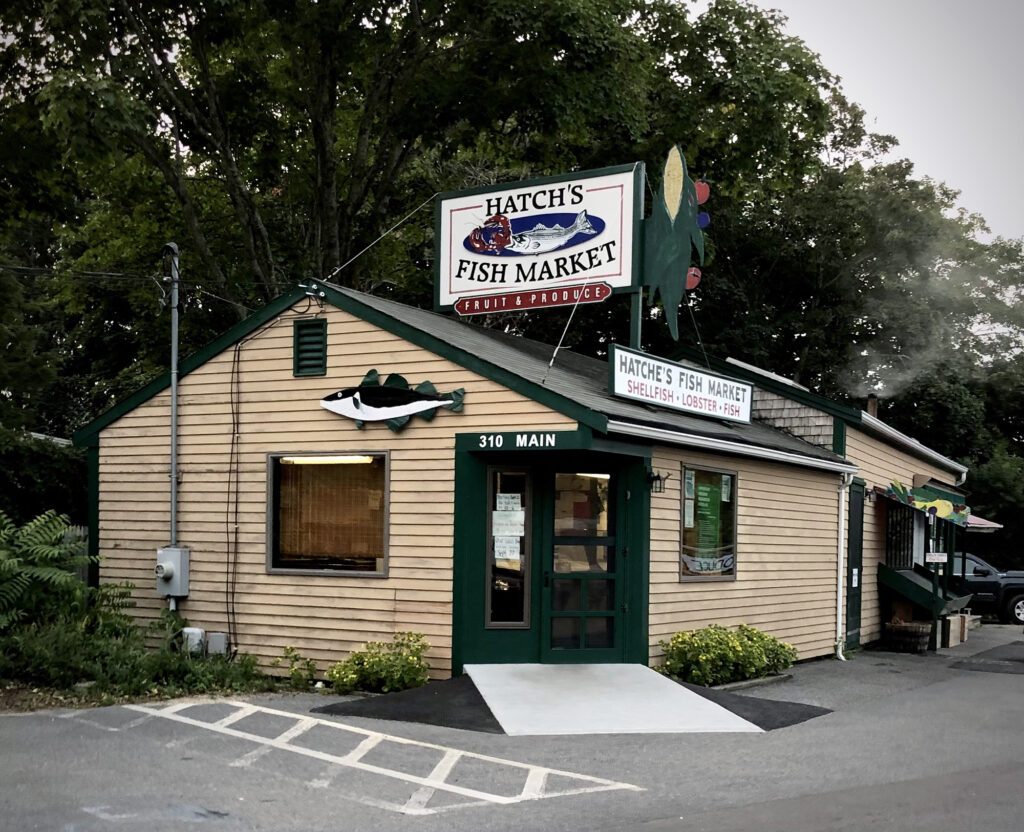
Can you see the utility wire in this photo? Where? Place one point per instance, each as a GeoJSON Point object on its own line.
{"type": "Point", "coordinates": [397, 225]}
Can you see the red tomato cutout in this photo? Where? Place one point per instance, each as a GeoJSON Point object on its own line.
{"type": "Point", "coordinates": [692, 279]}
{"type": "Point", "coordinates": [703, 191]}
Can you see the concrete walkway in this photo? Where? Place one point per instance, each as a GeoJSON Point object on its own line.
{"type": "Point", "coordinates": [545, 699]}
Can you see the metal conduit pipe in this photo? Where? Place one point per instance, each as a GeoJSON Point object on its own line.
{"type": "Point", "coordinates": [845, 482]}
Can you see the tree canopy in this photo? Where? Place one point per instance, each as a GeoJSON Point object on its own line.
{"type": "Point", "coordinates": [277, 142]}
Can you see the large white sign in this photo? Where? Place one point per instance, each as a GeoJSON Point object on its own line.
{"type": "Point", "coordinates": [646, 378]}
{"type": "Point", "coordinates": [555, 233]}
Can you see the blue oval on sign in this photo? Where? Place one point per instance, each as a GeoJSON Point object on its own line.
{"type": "Point", "coordinates": [534, 234]}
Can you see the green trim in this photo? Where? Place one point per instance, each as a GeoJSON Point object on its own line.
{"type": "Point", "coordinates": [838, 436]}
{"type": "Point", "coordinates": [855, 561]}
{"type": "Point", "coordinates": [524, 440]}
{"type": "Point", "coordinates": [622, 447]}
{"type": "Point", "coordinates": [84, 435]}
{"type": "Point", "coordinates": [637, 568]}
{"type": "Point", "coordinates": [420, 338]}
{"type": "Point", "coordinates": [470, 534]}
{"type": "Point", "coordinates": [309, 347]}
{"type": "Point", "coordinates": [92, 487]}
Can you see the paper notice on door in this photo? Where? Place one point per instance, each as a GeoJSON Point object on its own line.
{"type": "Point", "coordinates": [508, 523]}
{"type": "Point", "coordinates": [506, 548]}
{"type": "Point", "coordinates": [509, 502]}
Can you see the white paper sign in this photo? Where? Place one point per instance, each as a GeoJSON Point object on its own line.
{"type": "Point", "coordinates": [509, 502]}
{"type": "Point", "coordinates": [506, 548]}
{"type": "Point", "coordinates": [935, 557]}
{"type": "Point", "coordinates": [508, 523]}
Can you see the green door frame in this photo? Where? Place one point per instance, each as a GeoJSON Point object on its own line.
{"type": "Point", "coordinates": [854, 564]}
{"type": "Point", "coordinates": [472, 641]}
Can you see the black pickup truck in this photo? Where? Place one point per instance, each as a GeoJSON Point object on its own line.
{"type": "Point", "coordinates": [999, 593]}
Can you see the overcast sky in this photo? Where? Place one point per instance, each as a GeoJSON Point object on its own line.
{"type": "Point", "coordinates": [944, 77]}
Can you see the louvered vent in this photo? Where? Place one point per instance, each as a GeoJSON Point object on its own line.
{"type": "Point", "coordinates": [311, 347]}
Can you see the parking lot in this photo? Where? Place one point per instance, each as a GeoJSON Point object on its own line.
{"type": "Point", "coordinates": [908, 734]}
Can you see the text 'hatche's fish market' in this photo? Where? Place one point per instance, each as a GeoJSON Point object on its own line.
{"type": "Point", "coordinates": [675, 385]}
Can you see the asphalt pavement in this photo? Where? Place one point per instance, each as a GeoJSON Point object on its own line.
{"type": "Point", "coordinates": [911, 743]}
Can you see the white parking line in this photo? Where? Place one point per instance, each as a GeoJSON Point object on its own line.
{"type": "Point", "coordinates": [536, 777]}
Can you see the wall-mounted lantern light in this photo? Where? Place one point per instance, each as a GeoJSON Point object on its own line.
{"type": "Point", "coordinates": [657, 481]}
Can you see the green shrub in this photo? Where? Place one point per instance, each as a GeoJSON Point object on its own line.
{"type": "Point", "coordinates": [38, 563]}
{"type": "Point", "coordinates": [301, 671]}
{"type": "Point", "coordinates": [95, 641]}
{"type": "Point", "coordinates": [717, 655]}
{"type": "Point", "coordinates": [382, 667]}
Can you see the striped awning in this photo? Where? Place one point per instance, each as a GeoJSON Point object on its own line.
{"type": "Point", "coordinates": [980, 524]}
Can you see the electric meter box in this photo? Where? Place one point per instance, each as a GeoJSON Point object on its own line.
{"type": "Point", "coordinates": [172, 571]}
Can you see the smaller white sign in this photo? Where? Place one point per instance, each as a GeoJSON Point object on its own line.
{"type": "Point", "coordinates": [508, 523]}
{"type": "Point", "coordinates": [509, 502]}
{"type": "Point", "coordinates": [647, 378]}
{"type": "Point", "coordinates": [856, 577]}
{"type": "Point", "coordinates": [936, 557]}
{"type": "Point", "coordinates": [506, 548]}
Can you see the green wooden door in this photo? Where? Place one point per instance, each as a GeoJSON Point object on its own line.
{"type": "Point", "coordinates": [582, 608]}
{"type": "Point", "coordinates": [854, 565]}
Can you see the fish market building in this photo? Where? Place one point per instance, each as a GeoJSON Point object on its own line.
{"type": "Point", "coordinates": [350, 467]}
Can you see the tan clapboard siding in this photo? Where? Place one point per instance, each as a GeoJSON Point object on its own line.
{"type": "Point", "coordinates": [786, 555]}
{"type": "Point", "coordinates": [324, 617]}
{"type": "Point", "coordinates": [880, 464]}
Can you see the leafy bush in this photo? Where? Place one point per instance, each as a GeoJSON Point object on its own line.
{"type": "Point", "coordinates": [103, 647]}
{"type": "Point", "coordinates": [38, 563]}
{"type": "Point", "coordinates": [301, 671]}
{"type": "Point", "coordinates": [717, 655]}
{"type": "Point", "coordinates": [383, 666]}
{"type": "Point", "coordinates": [56, 632]}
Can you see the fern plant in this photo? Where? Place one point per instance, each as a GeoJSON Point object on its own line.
{"type": "Point", "coordinates": [38, 563]}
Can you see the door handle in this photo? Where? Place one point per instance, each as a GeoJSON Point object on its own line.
{"type": "Point", "coordinates": [547, 578]}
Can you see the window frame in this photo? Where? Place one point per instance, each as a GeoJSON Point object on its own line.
{"type": "Point", "coordinates": [297, 326]}
{"type": "Point", "coordinates": [702, 579]}
{"type": "Point", "coordinates": [273, 505]}
{"type": "Point", "coordinates": [528, 472]}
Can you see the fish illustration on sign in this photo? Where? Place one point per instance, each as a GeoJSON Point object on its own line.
{"type": "Point", "coordinates": [501, 236]}
{"type": "Point", "coordinates": [392, 402]}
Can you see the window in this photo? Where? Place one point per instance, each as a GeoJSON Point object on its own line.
{"type": "Point", "coordinates": [328, 513]}
{"type": "Point", "coordinates": [508, 535]}
{"type": "Point", "coordinates": [708, 539]}
{"type": "Point", "coordinates": [309, 348]}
